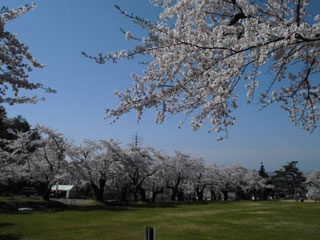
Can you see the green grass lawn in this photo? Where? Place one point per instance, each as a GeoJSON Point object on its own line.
{"type": "Point", "coordinates": [233, 220]}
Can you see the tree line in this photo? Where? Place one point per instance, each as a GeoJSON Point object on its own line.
{"type": "Point", "coordinates": [105, 169]}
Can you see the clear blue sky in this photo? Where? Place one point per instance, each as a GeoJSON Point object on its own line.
{"type": "Point", "coordinates": [57, 31]}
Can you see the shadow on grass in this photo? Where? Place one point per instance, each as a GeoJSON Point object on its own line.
{"type": "Point", "coordinates": [13, 206]}
{"type": "Point", "coordinates": [7, 224]}
{"type": "Point", "coordinates": [136, 205]}
{"type": "Point", "coordinates": [9, 236]}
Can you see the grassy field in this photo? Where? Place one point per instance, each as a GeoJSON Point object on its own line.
{"type": "Point", "coordinates": [232, 221]}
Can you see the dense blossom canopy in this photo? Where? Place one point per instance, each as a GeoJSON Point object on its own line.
{"type": "Point", "coordinates": [202, 50]}
{"type": "Point", "coordinates": [15, 62]}
{"type": "Point", "coordinates": [313, 183]}
{"type": "Point", "coordinates": [37, 156]}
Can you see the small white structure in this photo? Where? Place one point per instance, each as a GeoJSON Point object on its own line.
{"type": "Point", "coordinates": [25, 209]}
{"type": "Point", "coordinates": [63, 191]}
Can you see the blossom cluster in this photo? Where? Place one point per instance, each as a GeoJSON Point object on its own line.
{"type": "Point", "coordinates": [16, 62]}
{"type": "Point", "coordinates": [203, 51]}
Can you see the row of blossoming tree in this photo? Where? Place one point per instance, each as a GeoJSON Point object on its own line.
{"type": "Point", "coordinates": [42, 157]}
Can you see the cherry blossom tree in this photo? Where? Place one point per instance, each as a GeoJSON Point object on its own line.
{"type": "Point", "coordinates": [178, 174]}
{"type": "Point", "coordinates": [42, 160]}
{"type": "Point", "coordinates": [49, 163]}
{"type": "Point", "coordinates": [228, 179]}
{"type": "Point", "coordinates": [122, 180]}
{"type": "Point", "coordinates": [313, 183]}
{"type": "Point", "coordinates": [244, 182]}
{"type": "Point", "coordinates": [252, 183]}
{"type": "Point", "coordinates": [16, 156]}
{"type": "Point", "coordinates": [139, 166]}
{"type": "Point", "coordinates": [203, 52]}
{"type": "Point", "coordinates": [215, 181]}
{"type": "Point", "coordinates": [156, 183]}
{"type": "Point", "coordinates": [93, 163]}
{"type": "Point", "coordinates": [122, 184]}
{"type": "Point", "coordinates": [199, 177]}
{"type": "Point", "coordinates": [16, 62]}
{"type": "Point", "coordinates": [10, 170]}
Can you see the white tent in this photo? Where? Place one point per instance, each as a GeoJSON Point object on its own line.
{"type": "Point", "coordinates": [68, 189]}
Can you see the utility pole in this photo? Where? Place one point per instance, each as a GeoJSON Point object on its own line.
{"type": "Point", "coordinates": [137, 140]}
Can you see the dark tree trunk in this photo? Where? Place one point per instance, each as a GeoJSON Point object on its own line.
{"type": "Point", "coordinates": [99, 195]}
{"type": "Point", "coordinates": [219, 196]}
{"type": "Point", "coordinates": [240, 195]}
{"type": "Point", "coordinates": [47, 191]}
{"type": "Point", "coordinates": [174, 189]}
{"type": "Point", "coordinates": [46, 195]}
{"type": "Point", "coordinates": [294, 188]}
{"type": "Point", "coordinates": [225, 195]}
{"type": "Point", "coordinates": [155, 192]}
{"type": "Point", "coordinates": [180, 195]}
{"type": "Point", "coordinates": [200, 195]}
{"type": "Point", "coordinates": [255, 195]}
{"type": "Point", "coordinates": [124, 191]}
{"type": "Point", "coordinates": [213, 195]}
{"type": "Point", "coordinates": [154, 197]}
{"type": "Point", "coordinates": [99, 190]}
{"type": "Point", "coordinates": [288, 186]}
{"type": "Point", "coordinates": [142, 193]}
{"type": "Point", "coordinates": [135, 195]}
{"type": "Point", "coordinates": [261, 194]}
{"type": "Point", "coordinates": [173, 195]}
{"type": "Point", "coordinates": [199, 191]}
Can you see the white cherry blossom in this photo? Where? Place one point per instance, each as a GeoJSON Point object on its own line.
{"type": "Point", "coordinates": [203, 51]}
{"type": "Point", "coordinates": [16, 62]}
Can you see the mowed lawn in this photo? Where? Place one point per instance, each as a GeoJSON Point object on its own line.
{"type": "Point", "coordinates": [233, 220]}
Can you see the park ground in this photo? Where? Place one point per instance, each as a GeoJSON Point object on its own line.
{"type": "Point", "coordinates": [265, 220]}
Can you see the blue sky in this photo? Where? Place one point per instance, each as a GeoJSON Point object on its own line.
{"type": "Point", "coordinates": [58, 31]}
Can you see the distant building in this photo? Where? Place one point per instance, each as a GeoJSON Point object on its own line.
{"type": "Point", "coordinates": [64, 191]}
